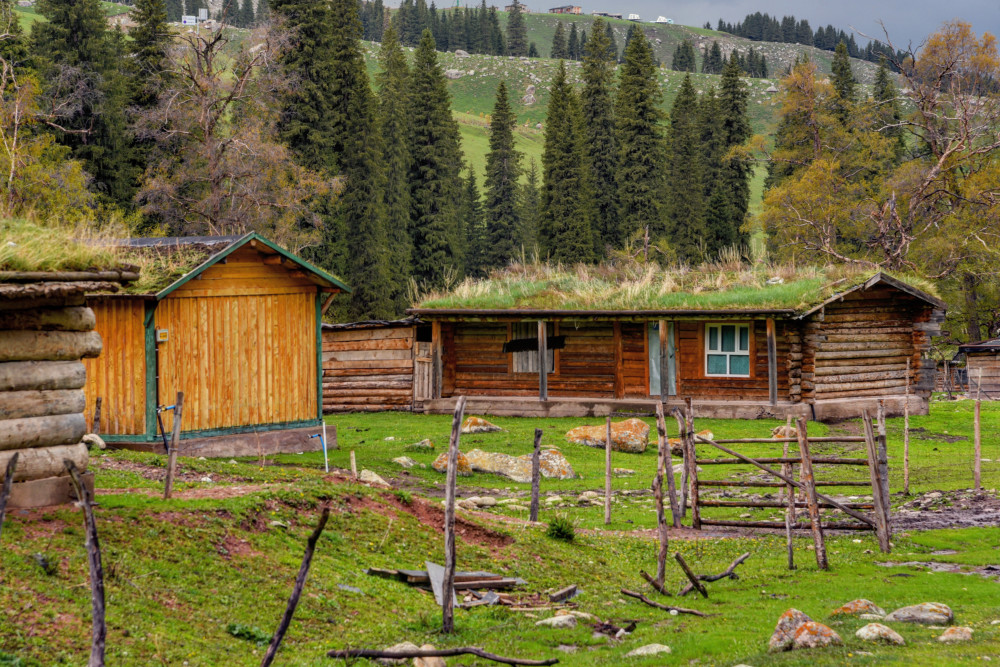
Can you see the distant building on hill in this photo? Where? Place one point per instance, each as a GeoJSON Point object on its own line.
{"type": "Point", "coordinates": [663, 19]}
{"type": "Point", "coordinates": [524, 8]}
{"type": "Point", "coordinates": [634, 17]}
{"type": "Point", "coordinates": [566, 9]}
{"type": "Point", "coordinates": [606, 15]}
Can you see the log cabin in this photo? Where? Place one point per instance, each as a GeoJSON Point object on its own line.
{"type": "Point", "coordinates": [818, 348]}
{"type": "Point", "coordinates": [231, 321]}
{"type": "Point", "coordinates": [982, 369]}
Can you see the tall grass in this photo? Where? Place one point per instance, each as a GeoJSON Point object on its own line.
{"type": "Point", "coordinates": [26, 245]}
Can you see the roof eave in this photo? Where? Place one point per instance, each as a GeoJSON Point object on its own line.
{"type": "Point", "coordinates": [533, 313]}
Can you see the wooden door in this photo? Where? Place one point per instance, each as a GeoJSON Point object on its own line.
{"type": "Point", "coordinates": [423, 367]}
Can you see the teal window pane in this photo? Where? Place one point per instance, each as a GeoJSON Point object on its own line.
{"type": "Point", "coordinates": [716, 364]}
{"type": "Point", "coordinates": [728, 338]}
{"type": "Point", "coordinates": [744, 339]}
{"type": "Point", "coordinates": [713, 338]}
{"type": "Point", "coordinates": [739, 365]}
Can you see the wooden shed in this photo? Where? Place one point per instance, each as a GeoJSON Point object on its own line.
{"type": "Point", "coordinates": [45, 331]}
{"type": "Point", "coordinates": [824, 355]}
{"type": "Point", "coordinates": [982, 368]}
{"type": "Point", "coordinates": [231, 321]}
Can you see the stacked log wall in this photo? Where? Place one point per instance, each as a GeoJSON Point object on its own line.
{"type": "Point", "coordinates": [984, 374]}
{"type": "Point", "coordinates": [368, 370]}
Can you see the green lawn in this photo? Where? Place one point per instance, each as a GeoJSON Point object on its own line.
{"type": "Point", "coordinates": [185, 575]}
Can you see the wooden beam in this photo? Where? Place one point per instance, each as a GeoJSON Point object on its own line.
{"type": "Point", "coordinates": [272, 259]}
{"type": "Point", "coordinates": [772, 363]}
{"type": "Point", "coordinates": [436, 371]}
{"type": "Point", "coordinates": [664, 363]}
{"type": "Point", "coordinates": [619, 356]}
{"type": "Point", "coordinates": [543, 363]}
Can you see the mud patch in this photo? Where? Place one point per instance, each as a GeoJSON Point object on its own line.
{"type": "Point", "coordinates": [985, 571]}
{"type": "Point", "coordinates": [924, 434]}
{"type": "Point", "coordinates": [232, 547]}
{"type": "Point", "coordinates": [158, 473]}
{"type": "Point", "coordinates": [948, 509]}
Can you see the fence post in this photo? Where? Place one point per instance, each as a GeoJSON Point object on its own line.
{"type": "Point", "coordinates": [536, 474]}
{"type": "Point", "coordinates": [977, 472]}
{"type": "Point", "coordinates": [168, 486]}
{"type": "Point", "coordinates": [810, 484]}
{"type": "Point", "coordinates": [882, 526]}
{"type": "Point", "coordinates": [906, 434]}
{"type": "Point", "coordinates": [681, 430]}
{"type": "Point", "coordinates": [883, 458]}
{"type": "Point", "coordinates": [448, 589]}
{"type": "Point", "coordinates": [788, 471]}
{"type": "Point", "coordinates": [667, 465]}
{"type": "Point", "coordinates": [689, 438]}
{"type": "Point", "coordinates": [607, 474]}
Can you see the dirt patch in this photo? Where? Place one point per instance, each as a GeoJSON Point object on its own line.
{"type": "Point", "coordinates": [924, 434]}
{"type": "Point", "coordinates": [37, 523]}
{"type": "Point", "coordinates": [985, 571]}
{"type": "Point", "coordinates": [232, 547]}
{"type": "Point", "coordinates": [159, 473]}
{"type": "Point", "coordinates": [948, 509]}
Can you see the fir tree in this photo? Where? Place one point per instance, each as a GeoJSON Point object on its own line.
{"type": "Point", "coordinates": [600, 143]}
{"type": "Point", "coordinates": [151, 38]}
{"type": "Point", "coordinates": [13, 49]}
{"type": "Point", "coordinates": [528, 234]}
{"type": "Point", "coordinates": [612, 44]}
{"type": "Point", "coordinates": [434, 170]}
{"type": "Point", "coordinates": [533, 51]}
{"type": "Point", "coordinates": [503, 169]}
{"type": "Point", "coordinates": [559, 46]}
{"type": "Point", "coordinates": [246, 14]}
{"type": "Point", "coordinates": [564, 232]}
{"type": "Point", "coordinates": [712, 64]}
{"type": "Point", "coordinates": [684, 59]}
{"type": "Point", "coordinates": [175, 9]}
{"type": "Point", "coordinates": [843, 82]}
{"type": "Point", "coordinates": [685, 186]}
{"type": "Point", "coordinates": [264, 11]}
{"type": "Point", "coordinates": [471, 213]}
{"type": "Point", "coordinates": [640, 142]}
{"type": "Point", "coordinates": [393, 114]}
{"type": "Point", "coordinates": [517, 31]}
{"type": "Point", "coordinates": [733, 178]}
{"type": "Point", "coordinates": [887, 106]}
{"type": "Point", "coordinates": [573, 44]}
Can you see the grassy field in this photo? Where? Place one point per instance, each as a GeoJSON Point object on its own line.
{"type": "Point", "coordinates": [202, 579]}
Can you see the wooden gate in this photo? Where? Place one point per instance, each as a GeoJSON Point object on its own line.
{"type": "Point", "coordinates": [423, 365]}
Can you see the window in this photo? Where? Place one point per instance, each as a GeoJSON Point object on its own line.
{"type": "Point", "coordinates": [524, 346]}
{"type": "Point", "coordinates": [727, 350]}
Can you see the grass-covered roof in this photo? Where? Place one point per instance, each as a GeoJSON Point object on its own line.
{"type": "Point", "coordinates": [709, 287]}
{"type": "Point", "coordinates": [29, 246]}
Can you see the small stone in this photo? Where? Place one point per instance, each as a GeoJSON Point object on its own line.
{"type": "Point", "coordinates": [518, 508]}
{"type": "Point", "coordinates": [390, 438]}
{"type": "Point", "coordinates": [567, 648]}
{"type": "Point", "coordinates": [566, 621]}
{"type": "Point", "coordinates": [404, 461]}
{"type": "Point", "coordinates": [454, 73]}
{"type": "Point", "coordinates": [859, 606]}
{"type": "Point", "coordinates": [648, 649]}
{"type": "Point", "coordinates": [398, 648]}
{"type": "Point", "coordinates": [428, 662]}
{"type": "Point", "coordinates": [876, 632]}
{"type": "Point", "coordinates": [478, 425]}
{"type": "Point", "coordinates": [956, 634]}
{"type": "Point", "coordinates": [815, 635]}
{"type": "Point", "coordinates": [552, 500]}
{"type": "Point", "coordinates": [487, 501]}
{"type": "Point", "coordinates": [369, 477]}
{"type": "Point", "coordinates": [784, 631]}
{"type": "Point", "coordinates": [207, 480]}
{"type": "Point", "coordinates": [927, 613]}
{"type": "Point", "coordinates": [588, 495]}
{"type": "Point", "coordinates": [94, 441]}
{"type": "Point", "coordinates": [871, 617]}
{"type": "Point", "coordinates": [232, 462]}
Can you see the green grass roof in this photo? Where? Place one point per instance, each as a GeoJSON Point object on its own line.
{"type": "Point", "coordinates": [710, 287]}
{"type": "Point", "coordinates": [26, 245]}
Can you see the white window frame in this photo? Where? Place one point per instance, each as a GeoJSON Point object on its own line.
{"type": "Point", "coordinates": [736, 353]}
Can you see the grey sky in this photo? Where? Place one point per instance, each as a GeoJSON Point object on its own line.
{"type": "Point", "coordinates": [906, 20]}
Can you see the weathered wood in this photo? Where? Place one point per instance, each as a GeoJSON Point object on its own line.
{"type": "Point", "coordinates": [828, 460]}
{"type": "Point", "coordinates": [772, 364]}
{"type": "Point", "coordinates": [837, 438]}
{"type": "Point", "coordinates": [667, 468]}
{"type": "Point", "coordinates": [536, 474]}
{"type": "Point", "coordinates": [807, 479]}
{"type": "Point", "coordinates": [698, 586]}
{"type": "Point", "coordinates": [563, 593]}
{"type": "Point", "coordinates": [354, 466]}
{"type": "Point", "coordinates": [95, 424]}
{"type": "Point", "coordinates": [780, 525]}
{"type": "Point", "coordinates": [300, 582]}
{"type": "Point", "coordinates": [863, 353]}
{"type": "Point", "coordinates": [175, 437]}
{"type": "Point", "coordinates": [46, 403]}
{"type": "Point", "coordinates": [664, 361]}
{"type": "Point", "coordinates": [48, 319]}
{"type": "Point", "coordinates": [651, 603]}
{"type": "Point", "coordinates": [42, 375]}
{"type": "Point", "coordinates": [433, 653]}
{"type": "Point", "coordinates": [789, 499]}
{"type": "Point", "coordinates": [607, 473]}
{"type": "Point", "coordinates": [883, 461]}
{"type": "Point", "coordinates": [100, 629]}
{"type": "Point", "coordinates": [66, 276]}
{"type": "Point", "coordinates": [41, 431]}
{"type": "Point", "coordinates": [448, 591]}
{"type": "Point", "coordinates": [654, 582]}
{"type": "Point", "coordinates": [8, 479]}
{"type": "Point", "coordinates": [728, 572]}
{"type": "Point", "coordinates": [437, 354]}
{"type": "Point", "coordinates": [692, 467]}
{"type": "Point", "coordinates": [42, 462]}
{"type": "Point", "coordinates": [775, 485]}
{"type": "Point", "coordinates": [48, 345]}
{"type": "Point", "coordinates": [881, 518]}
{"type": "Point", "coordinates": [906, 434]}
{"type": "Point", "coordinates": [682, 429]}
{"type": "Point", "coordinates": [977, 435]}
{"type": "Point", "coordinates": [543, 362]}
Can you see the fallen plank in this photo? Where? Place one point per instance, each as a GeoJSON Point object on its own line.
{"type": "Point", "coordinates": [563, 594]}
{"type": "Point", "coordinates": [435, 653]}
{"type": "Point", "coordinates": [679, 610]}
{"type": "Point", "coordinates": [436, 573]}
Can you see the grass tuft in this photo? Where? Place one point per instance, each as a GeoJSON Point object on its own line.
{"type": "Point", "coordinates": [26, 245]}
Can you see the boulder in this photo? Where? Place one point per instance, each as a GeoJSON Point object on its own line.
{"type": "Point", "coordinates": [784, 631]}
{"type": "Point", "coordinates": [530, 90]}
{"type": "Point", "coordinates": [428, 662]}
{"type": "Point", "coordinates": [648, 649]}
{"type": "Point", "coordinates": [454, 73]}
{"type": "Point", "coordinates": [441, 464]}
{"type": "Point", "coordinates": [566, 621]}
{"type": "Point", "coordinates": [478, 425]}
{"type": "Point", "coordinates": [956, 634]}
{"type": "Point", "coordinates": [404, 461]}
{"type": "Point", "coordinates": [528, 100]}
{"type": "Point", "coordinates": [551, 463]}
{"type": "Point", "coordinates": [876, 632]}
{"type": "Point", "coordinates": [926, 613]}
{"type": "Point", "coordinates": [676, 446]}
{"type": "Point", "coordinates": [784, 432]}
{"type": "Point", "coordinates": [815, 635]}
{"type": "Point", "coordinates": [424, 445]}
{"type": "Point", "coordinates": [631, 435]}
{"type": "Point", "coordinates": [369, 477]}
{"type": "Point", "coordinates": [461, 54]}
{"type": "Point", "coordinates": [858, 607]}
{"type": "Point", "coordinates": [404, 646]}
{"type": "Point", "coordinates": [622, 472]}
{"type": "Point", "coordinates": [517, 508]}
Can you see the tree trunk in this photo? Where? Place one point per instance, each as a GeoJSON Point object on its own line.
{"type": "Point", "coordinates": [21, 375]}
{"type": "Point", "coordinates": [42, 462]}
{"type": "Point", "coordinates": [42, 431]}
{"type": "Point", "coordinates": [48, 345]}
{"type": "Point", "coordinates": [21, 404]}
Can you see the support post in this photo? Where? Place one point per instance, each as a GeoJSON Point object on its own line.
{"type": "Point", "coordinates": [95, 426]}
{"type": "Point", "coordinates": [448, 590]}
{"type": "Point", "coordinates": [906, 434]}
{"type": "Point", "coordinates": [682, 429]}
{"type": "Point", "coordinates": [978, 437]}
{"type": "Point", "coordinates": [536, 474]}
{"type": "Point", "coordinates": [692, 466]}
{"type": "Point", "coordinates": [175, 436]}
{"type": "Point", "coordinates": [5, 489]}
{"type": "Point", "coordinates": [543, 362]}
{"type": "Point", "coordinates": [882, 526]}
{"type": "Point", "coordinates": [661, 518]}
{"type": "Point", "coordinates": [883, 458]}
{"type": "Point", "coordinates": [437, 379]}
{"type": "Point", "coordinates": [667, 466]}
{"type": "Point", "coordinates": [354, 466]}
{"type": "Point", "coordinates": [607, 473]}
{"type": "Point", "coordinates": [810, 484]}
{"type": "Point", "coordinates": [99, 630]}
{"type": "Point", "coordinates": [788, 471]}
{"type": "Point", "coordinates": [335, 445]}
{"type": "Point", "coordinates": [664, 362]}
{"type": "Point", "coordinates": [772, 363]}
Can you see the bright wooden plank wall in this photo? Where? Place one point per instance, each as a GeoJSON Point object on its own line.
{"type": "Point", "coordinates": [118, 376]}
{"type": "Point", "coordinates": [368, 369]}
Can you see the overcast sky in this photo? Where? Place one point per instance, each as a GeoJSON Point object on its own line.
{"type": "Point", "coordinates": [906, 20]}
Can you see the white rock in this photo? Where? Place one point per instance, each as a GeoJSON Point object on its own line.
{"type": "Point", "coordinates": [369, 477]}
{"type": "Point", "coordinates": [648, 649]}
{"type": "Point", "coordinates": [956, 634]}
{"type": "Point", "coordinates": [876, 632]}
{"type": "Point", "coordinates": [405, 646]}
{"type": "Point", "coordinates": [207, 480]}
{"type": "Point", "coordinates": [565, 621]}
{"type": "Point", "coordinates": [552, 500]}
{"type": "Point", "coordinates": [404, 461]}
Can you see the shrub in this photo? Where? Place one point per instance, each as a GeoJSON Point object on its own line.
{"type": "Point", "coordinates": [250, 633]}
{"type": "Point", "coordinates": [561, 528]}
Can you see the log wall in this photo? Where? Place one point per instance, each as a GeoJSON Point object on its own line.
{"type": "Point", "coordinates": [984, 374]}
{"type": "Point", "coordinates": [368, 370]}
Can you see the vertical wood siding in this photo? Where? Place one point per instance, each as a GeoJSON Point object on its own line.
{"type": "Point", "coordinates": [118, 376]}
{"type": "Point", "coordinates": [369, 369]}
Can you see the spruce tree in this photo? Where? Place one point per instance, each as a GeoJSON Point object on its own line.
{"type": "Point", "coordinates": [517, 31]}
{"type": "Point", "coordinates": [573, 44]}
{"type": "Point", "coordinates": [528, 235]}
{"type": "Point", "coordinates": [471, 213]}
{"type": "Point", "coordinates": [641, 147]}
{"type": "Point", "coordinates": [533, 51]}
{"type": "Point", "coordinates": [612, 44]}
{"type": "Point", "coordinates": [600, 144]}
{"type": "Point", "coordinates": [175, 9]}
{"type": "Point", "coordinates": [503, 169]}
{"type": "Point", "coordinates": [13, 49]}
{"type": "Point", "coordinates": [434, 170]}
{"type": "Point", "coordinates": [887, 109]}
{"type": "Point", "coordinates": [685, 220]}
{"type": "Point", "coordinates": [394, 123]}
{"type": "Point", "coordinates": [843, 82]}
{"type": "Point", "coordinates": [565, 222]}
{"type": "Point", "coordinates": [734, 172]}
{"type": "Point", "coordinates": [247, 18]}
{"type": "Point", "coordinates": [559, 46]}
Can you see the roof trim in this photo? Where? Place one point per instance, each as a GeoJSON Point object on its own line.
{"type": "Point", "coordinates": [239, 243]}
{"type": "Point", "coordinates": [879, 277]}
{"type": "Point", "coordinates": [531, 313]}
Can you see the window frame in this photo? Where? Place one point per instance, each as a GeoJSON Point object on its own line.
{"type": "Point", "coordinates": [551, 329]}
{"type": "Point", "coordinates": [748, 353]}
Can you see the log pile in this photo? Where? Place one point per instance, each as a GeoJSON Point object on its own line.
{"type": "Point", "coordinates": [368, 369]}
{"type": "Point", "coordinates": [45, 331]}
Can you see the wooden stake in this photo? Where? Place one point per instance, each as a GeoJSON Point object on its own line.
{"type": "Point", "coordinates": [906, 434]}
{"type": "Point", "coordinates": [607, 474]}
{"type": "Point", "coordinates": [99, 630]}
{"type": "Point", "coordinates": [643, 598]}
{"type": "Point", "coordinates": [300, 582]}
{"type": "Point", "coordinates": [661, 519]}
{"type": "Point", "coordinates": [728, 572]}
{"type": "Point", "coordinates": [543, 362]}
{"type": "Point", "coordinates": [448, 592]}
{"type": "Point", "coordinates": [536, 474]}
{"type": "Point", "coordinates": [682, 429]}
{"type": "Point", "coordinates": [789, 472]}
{"type": "Point", "coordinates": [175, 437]}
{"type": "Point", "coordinates": [354, 466]}
{"type": "Point", "coordinates": [883, 458]}
{"type": "Point", "coordinates": [96, 424]}
{"type": "Point", "coordinates": [5, 490]}
{"type": "Point", "coordinates": [668, 465]}
{"type": "Point", "coordinates": [692, 479]}
{"type": "Point", "coordinates": [978, 436]}
{"type": "Point", "coordinates": [882, 530]}
{"type": "Point", "coordinates": [808, 480]}
{"type": "Point", "coordinates": [698, 586]}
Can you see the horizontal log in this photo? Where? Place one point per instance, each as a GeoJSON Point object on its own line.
{"type": "Point", "coordinates": [775, 504]}
{"type": "Point", "coordinates": [830, 460]}
{"type": "Point", "coordinates": [863, 354]}
{"type": "Point", "coordinates": [887, 360]}
{"type": "Point", "coordinates": [825, 385]}
{"type": "Point", "coordinates": [367, 334]}
{"type": "Point", "coordinates": [863, 393]}
{"type": "Point", "coordinates": [336, 407]}
{"type": "Point", "coordinates": [75, 299]}
{"type": "Point", "coordinates": [827, 525]}
{"type": "Point", "coordinates": [42, 462]}
{"type": "Point", "coordinates": [868, 377]}
{"type": "Point", "coordinates": [65, 276]}
{"type": "Point", "coordinates": [873, 367]}
{"type": "Point", "coordinates": [383, 344]}
{"type": "Point", "coordinates": [35, 403]}
{"type": "Point", "coordinates": [41, 431]}
{"type": "Point", "coordinates": [372, 400]}
{"type": "Point", "coordinates": [334, 364]}
{"type": "Point", "coordinates": [79, 318]}
{"type": "Point", "coordinates": [344, 393]}
{"type": "Point", "coordinates": [48, 345]}
{"type": "Point", "coordinates": [775, 485]}
{"type": "Point", "coordinates": [823, 438]}
{"type": "Point", "coordinates": [863, 345]}
{"type": "Point", "coordinates": [22, 375]}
